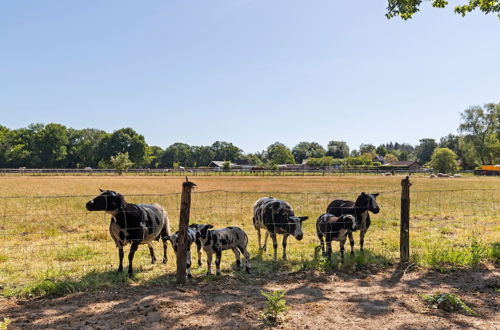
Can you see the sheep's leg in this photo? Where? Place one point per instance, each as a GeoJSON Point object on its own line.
{"type": "Point", "coordinates": [275, 245]}
{"type": "Point", "coordinates": [209, 263]}
{"type": "Point", "coordinates": [362, 240]}
{"type": "Point", "coordinates": [285, 237]}
{"type": "Point", "coordinates": [152, 252]}
{"type": "Point", "coordinates": [329, 249]}
{"type": "Point", "coordinates": [342, 249]}
{"type": "Point", "coordinates": [188, 264]}
{"type": "Point", "coordinates": [321, 243]}
{"type": "Point", "coordinates": [259, 237]}
{"type": "Point", "coordinates": [120, 257]}
{"type": "Point", "coordinates": [164, 240]}
{"type": "Point", "coordinates": [133, 248]}
{"type": "Point", "coordinates": [266, 236]}
{"type": "Point", "coordinates": [351, 241]}
{"type": "Point", "coordinates": [244, 250]}
{"type": "Point", "coordinates": [218, 256]}
{"type": "Point", "coordinates": [238, 259]}
{"type": "Point", "coordinates": [198, 250]}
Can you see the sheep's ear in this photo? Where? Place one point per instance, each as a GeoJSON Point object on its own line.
{"type": "Point", "coordinates": [375, 195]}
{"type": "Point", "coordinates": [206, 227]}
{"type": "Point", "coordinates": [101, 190]}
{"type": "Point", "coordinates": [363, 193]}
{"type": "Point", "coordinates": [303, 218]}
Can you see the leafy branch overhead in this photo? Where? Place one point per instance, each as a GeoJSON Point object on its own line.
{"type": "Point", "coordinates": [407, 8]}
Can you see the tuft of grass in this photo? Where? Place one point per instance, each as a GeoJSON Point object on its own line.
{"type": "Point", "coordinates": [443, 255]}
{"type": "Point", "coordinates": [3, 258]}
{"type": "Point", "coordinates": [275, 306]}
{"type": "Point", "coordinates": [449, 302]}
{"type": "Point", "coordinates": [56, 284]}
{"type": "Point", "coordinates": [75, 253]}
{"type": "Point", "coordinates": [5, 323]}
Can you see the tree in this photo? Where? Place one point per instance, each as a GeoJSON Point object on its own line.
{"type": "Point", "coordinates": [154, 156]}
{"type": "Point", "coordinates": [124, 140]}
{"type": "Point", "coordinates": [176, 153]}
{"type": "Point", "coordinates": [48, 145]}
{"type": "Point", "coordinates": [121, 162]}
{"type": "Point", "coordinates": [480, 126]}
{"type": "Point", "coordinates": [225, 151]}
{"type": "Point", "coordinates": [406, 8]}
{"type": "Point", "coordinates": [337, 149]}
{"type": "Point", "coordinates": [366, 147]}
{"type": "Point", "coordinates": [304, 150]}
{"type": "Point", "coordinates": [381, 151]}
{"type": "Point", "coordinates": [443, 160]}
{"type": "Point", "coordinates": [390, 158]}
{"type": "Point", "coordinates": [424, 150]}
{"type": "Point", "coordinates": [83, 147]}
{"type": "Point", "coordinates": [201, 155]}
{"type": "Point", "coordinates": [278, 153]}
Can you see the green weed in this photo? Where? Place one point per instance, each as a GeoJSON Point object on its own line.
{"type": "Point", "coordinates": [5, 323]}
{"type": "Point", "coordinates": [449, 302]}
{"type": "Point", "coordinates": [275, 306]}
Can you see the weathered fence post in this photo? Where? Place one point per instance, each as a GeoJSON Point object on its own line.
{"type": "Point", "coordinates": [404, 236]}
{"type": "Point", "coordinates": [187, 187]}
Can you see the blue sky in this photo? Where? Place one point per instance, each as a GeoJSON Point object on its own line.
{"type": "Point", "coordinates": [249, 72]}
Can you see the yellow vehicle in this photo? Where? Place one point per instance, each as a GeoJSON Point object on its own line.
{"type": "Point", "coordinates": [488, 170]}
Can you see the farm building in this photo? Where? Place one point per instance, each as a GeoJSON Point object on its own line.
{"type": "Point", "coordinates": [406, 165]}
{"type": "Point", "coordinates": [237, 164]}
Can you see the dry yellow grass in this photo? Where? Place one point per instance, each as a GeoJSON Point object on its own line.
{"type": "Point", "coordinates": [48, 235]}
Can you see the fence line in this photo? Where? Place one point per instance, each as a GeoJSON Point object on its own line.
{"type": "Point", "coordinates": [219, 172]}
{"type": "Point", "coordinates": [43, 233]}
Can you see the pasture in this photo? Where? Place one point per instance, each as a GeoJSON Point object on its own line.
{"type": "Point", "coordinates": [52, 246]}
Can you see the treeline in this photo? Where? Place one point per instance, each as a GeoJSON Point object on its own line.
{"type": "Point", "coordinates": [57, 146]}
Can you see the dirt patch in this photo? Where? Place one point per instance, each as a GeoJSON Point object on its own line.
{"type": "Point", "coordinates": [389, 299]}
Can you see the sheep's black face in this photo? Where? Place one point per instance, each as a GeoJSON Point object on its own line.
{"type": "Point", "coordinates": [107, 201]}
{"type": "Point", "coordinates": [368, 201]}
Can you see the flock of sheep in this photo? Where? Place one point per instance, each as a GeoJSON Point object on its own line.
{"type": "Point", "coordinates": [142, 223]}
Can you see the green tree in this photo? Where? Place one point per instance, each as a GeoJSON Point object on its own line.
{"type": "Point", "coordinates": [48, 145]}
{"type": "Point", "coordinates": [381, 151]}
{"type": "Point", "coordinates": [83, 147]}
{"type": "Point", "coordinates": [154, 156]}
{"type": "Point", "coordinates": [202, 155]}
{"type": "Point", "coordinates": [480, 127]}
{"type": "Point", "coordinates": [443, 160]}
{"type": "Point", "coordinates": [366, 147]}
{"type": "Point", "coordinates": [225, 151]}
{"type": "Point", "coordinates": [390, 158]}
{"type": "Point", "coordinates": [176, 153]}
{"type": "Point", "coordinates": [304, 150]}
{"type": "Point", "coordinates": [278, 153]}
{"type": "Point", "coordinates": [124, 140]}
{"type": "Point", "coordinates": [253, 159]}
{"type": "Point", "coordinates": [424, 150]}
{"type": "Point", "coordinates": [407, 8]}
{"type": "Point", "coordinates": [121, 162]}
{"type": "Point", "coordinates": [337, 149]}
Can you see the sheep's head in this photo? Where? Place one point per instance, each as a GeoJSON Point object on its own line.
{"type": "Point", "coordinates": [107, 201]}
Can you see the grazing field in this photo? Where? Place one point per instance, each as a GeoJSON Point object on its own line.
{"type": "Point", "coordinates": [52, 245]}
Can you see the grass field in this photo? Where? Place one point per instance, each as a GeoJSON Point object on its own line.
{"type": "Point", "coordinates": [52, 245]}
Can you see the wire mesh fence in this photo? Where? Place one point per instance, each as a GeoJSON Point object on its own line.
{"type": "Point", "coordinates": [50, 236]}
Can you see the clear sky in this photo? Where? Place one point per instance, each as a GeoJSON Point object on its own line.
{"type": "Point", "coordinates": [245, 71]}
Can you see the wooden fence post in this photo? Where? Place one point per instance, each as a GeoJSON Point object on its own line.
{"type": "Point", "coordinates": [187, 187]}
{"type": "Point", "coordinates": [404, 236]}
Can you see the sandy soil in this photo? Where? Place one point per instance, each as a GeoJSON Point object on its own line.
{"type": "Point", "coordinates": [388, 299]}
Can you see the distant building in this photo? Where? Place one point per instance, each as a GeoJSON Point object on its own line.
{"type": "Point", "coordinates": [237, 164]}
{"type": "Point", "coordinates": [406, 165]}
